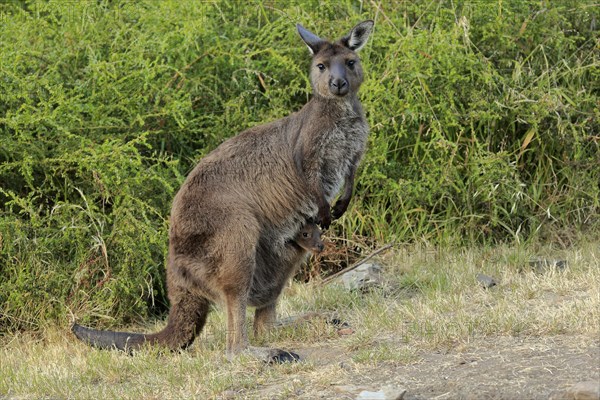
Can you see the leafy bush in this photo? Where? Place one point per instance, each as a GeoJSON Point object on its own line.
{"type": "Point", "coordinates": [484, 124]}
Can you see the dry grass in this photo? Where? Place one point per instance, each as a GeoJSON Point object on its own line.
{"type": "Point", "coordinates": [431, 302]}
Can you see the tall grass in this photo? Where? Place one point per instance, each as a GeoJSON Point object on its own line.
{"type": "Point", "coordinates": [484, 121]}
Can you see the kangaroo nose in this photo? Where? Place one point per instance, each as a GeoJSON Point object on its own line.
{"type": "Point", "coordinates": [338, 86]}
{"type": "Point", "coordinates": [320, 247]}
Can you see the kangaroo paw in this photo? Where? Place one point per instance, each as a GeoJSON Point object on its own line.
{"type": "Point", "coordinates": [283, 356]}
{"type": "Point", "coordinates": [273, 356]}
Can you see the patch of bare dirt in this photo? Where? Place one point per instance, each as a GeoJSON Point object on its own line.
{"type": "Point", "coordinates": [485, 368]}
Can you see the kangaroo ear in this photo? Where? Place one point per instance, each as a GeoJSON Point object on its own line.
{"type": "Point", "coordinates": [312, 41]}
{"type": "Point", "coordinates": [358, 36]}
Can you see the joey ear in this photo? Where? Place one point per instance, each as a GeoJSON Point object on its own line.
{"type": "Point", "coordinates": [358, 36]}
{"type": "Point", "coordinates": [312, 41]}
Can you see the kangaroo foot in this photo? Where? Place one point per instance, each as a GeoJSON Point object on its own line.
{"type": "Point", "coordinates": [284, 356]}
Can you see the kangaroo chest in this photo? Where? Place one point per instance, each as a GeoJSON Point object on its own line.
{"type": "Point", "coordinates": [341, 148]}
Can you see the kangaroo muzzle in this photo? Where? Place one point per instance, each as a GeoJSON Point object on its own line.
{"type": "Point", "coordinates": [338, 84]}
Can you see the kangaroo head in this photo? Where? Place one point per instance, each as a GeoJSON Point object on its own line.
{"type": "Point", "coordinates": [309, 238]}
{"type": "Point", "coordinates": [335, 70]}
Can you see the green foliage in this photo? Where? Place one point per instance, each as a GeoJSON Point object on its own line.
{"type": "Point", "coordinates": [484, 122]}
{"type": "Point", "coordinates": [484, 119]}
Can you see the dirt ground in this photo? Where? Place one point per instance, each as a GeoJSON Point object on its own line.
{"type": "Point", "coordinates": [486, 368]}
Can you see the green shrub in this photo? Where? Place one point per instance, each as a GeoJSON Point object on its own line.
{"type": "Point", "coordinates": [484, 121]}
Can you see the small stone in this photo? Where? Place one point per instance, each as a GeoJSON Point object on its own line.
{"type": "Point", "coordinates": [367, 395]}
{"type": "Point", "coordinates": [393, 393]}
{"type": "Point", "coordinates": [486, 281]}
{"type": "Point", "coordinates": [587, 390]}
{"type": "Point", "coordinates": [343, 365]}
{"type": "Point", "coordinates": [363, 278]}
{"type": "Point", "coordinates": [386, 393]}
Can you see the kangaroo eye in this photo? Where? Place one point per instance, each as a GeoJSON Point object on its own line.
{"type": "Point", "coordinates": [304, 234]}
{"type": "Point", "coordinates": [321, 67]}
{"type": "Point", "coordinates": [350, 63]}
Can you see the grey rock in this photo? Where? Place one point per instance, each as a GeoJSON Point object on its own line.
{"type": "Point", "coordinates": [363, 393]}
{"type": "Point", "coordinates": [386, 393]}
{"type": "Point", "coordinates": [364, 277]}
{"type": "Point", "coordinates": [587, 390]}
{"type": "Point", "coordinates": [367, 395]}
{"type": "Point", "coordinates": [486, 280]}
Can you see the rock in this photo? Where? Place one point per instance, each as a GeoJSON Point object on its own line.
{"type": "Point", "coordinates": [542, 265]}
{"type": "Point", "coordinates": [486, 281]}
{"type": "Point", "coordinates": [345, 366]}
{"type": "Point", "coordinates": [587, 390]}
{"type": "Point", "coordinates": [366, 395]}
{"type": "Point", "coordinates": [386, 393]}
{"type": "Point", "coordinates": [363, 278]}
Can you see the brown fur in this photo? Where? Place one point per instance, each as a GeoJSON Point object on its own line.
{"type": "Point", "coordinates": [235, 217]}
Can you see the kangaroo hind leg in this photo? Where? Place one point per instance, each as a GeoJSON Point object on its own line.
{"type": "Point", "coordinates": [187, 317]}
{"type": "Point", "coordinates": [264, 319]}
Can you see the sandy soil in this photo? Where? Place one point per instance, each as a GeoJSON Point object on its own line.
{"type": "Point", "coordinates": [485, 368]}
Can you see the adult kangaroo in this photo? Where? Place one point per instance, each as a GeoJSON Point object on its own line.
{"type": "Point", "coordinates": [234, 216]}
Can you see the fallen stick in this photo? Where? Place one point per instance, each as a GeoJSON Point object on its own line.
{"type": "Point", "coordinates": [356, 265]}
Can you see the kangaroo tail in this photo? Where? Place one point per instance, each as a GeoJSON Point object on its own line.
{"type": "Point", "coordinates": [124, 341]}
{"type": "Point", "coordinates": [187, 317]}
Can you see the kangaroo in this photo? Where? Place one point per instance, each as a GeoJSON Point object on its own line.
{"type": "Point", "coordinates": [308, 239]}
{"type": "Point", "coordinates": [235, 216]}
{"type": "Point", "coordinates": [276, 270]}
